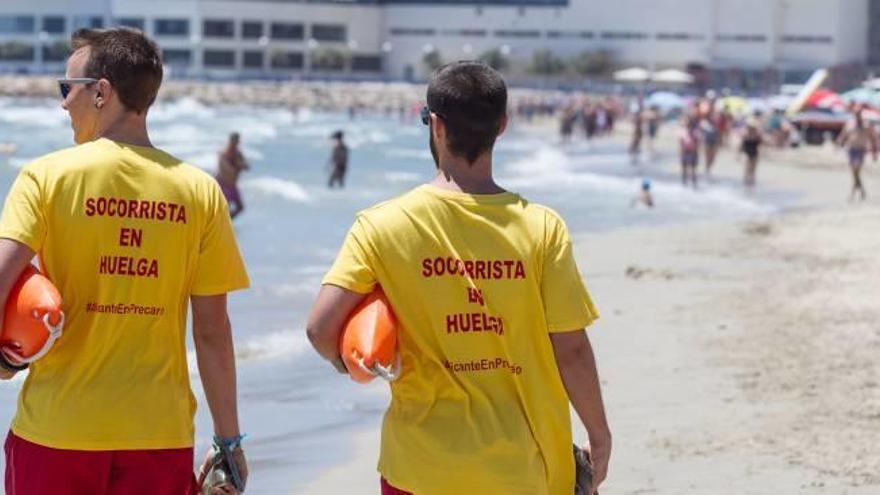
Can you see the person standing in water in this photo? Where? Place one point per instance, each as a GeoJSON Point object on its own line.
{"type": "Point", "coordinates": [475, 274]}
{"type": "Point", "coordinates": [230, 165]}
{"type": "Point", "coordinates": [750, 147]}
{"type": "Point", "coordinates": [638, 123]}
{"type": "Point", "coordinates": [338, 161]}
{"type": "Point", "coordinates": [689, 149]}
{"type": "Point", "coordinates": [857, 137]}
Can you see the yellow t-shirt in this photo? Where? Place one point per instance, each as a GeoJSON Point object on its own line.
{"type": "Point", "coordinates": [477, 282]}
{"type": "Point", "coordinates": [127, 234]}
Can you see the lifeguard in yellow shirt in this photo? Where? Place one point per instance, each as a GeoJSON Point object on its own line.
{"type": "Point", "coordinates": [129, 235]}
{"type": "Point", "coordinates": [492, 311]}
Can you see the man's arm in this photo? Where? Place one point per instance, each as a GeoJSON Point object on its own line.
{"type": "Point", "coordinates": [14, 257]}
{"type": "Point", "coordinates": [212, 335]}
{"type": "Point", "coordinates": [329, 313]}
{"type": "Point", "coordinates": [577, 367]}
{"type": "Point", "coordinates": [215, 354]}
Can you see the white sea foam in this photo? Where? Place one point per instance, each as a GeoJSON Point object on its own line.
{"type": "Point", "coordinates": [287, 189]}
{"type": "Point", "coordinates": [403, 177]}
{"type": "Point", "coordinates": [420, 154]}
{"type": "Point", "coordinates": [275, 345]}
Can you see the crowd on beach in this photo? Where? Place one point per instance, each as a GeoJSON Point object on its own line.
{"type": "Point", "coordinates": [703, 128]}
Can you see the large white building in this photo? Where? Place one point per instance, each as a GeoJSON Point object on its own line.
{"type": "Point", "coordinates": [389, 38]}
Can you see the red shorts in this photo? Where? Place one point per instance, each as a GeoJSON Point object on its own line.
{"type": "Point", "coordinates": [32, 469]}
{"type": "Point", "coordinates": [387, 489]}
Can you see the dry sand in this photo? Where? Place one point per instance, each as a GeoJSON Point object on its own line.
{"type": "Point", "coordinates": [735, 357]}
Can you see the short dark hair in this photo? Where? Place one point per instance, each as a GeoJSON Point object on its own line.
{"type": "Point", "coordinates": [125, 57]}
{"type": "Point", "coordinates": [471, 98]}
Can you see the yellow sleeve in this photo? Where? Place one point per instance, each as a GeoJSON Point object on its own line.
{"type": "Point", "coordinates": [567, 303]}
{"type": "Point", "coordinates": [353, 268]}
{"type": "Point", "coordinates": [220, 266]}
{"type": "Point", "coordinates": [23, 217]}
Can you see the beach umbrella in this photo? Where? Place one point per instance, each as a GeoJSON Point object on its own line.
{"type": "Point", "coordinates": [665, 101]}
{"type": "Point", "coordinates": [736, 105]}
{"type": "Point", "coordinates": [826, 99]}
{"type": "Point", "coordinates": [672, 76]}
{"type": "Point", "coordinates": [872, 83]}
{"type": "Point", "coordinates": [633, 74]}
{"type": "Point", "coordinates": [864, 95]}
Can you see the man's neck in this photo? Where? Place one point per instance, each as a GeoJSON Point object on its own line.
{"type": "Point", "coordinates": [127, 129]}
{"type": "Point", "coordinates": [456, 174]}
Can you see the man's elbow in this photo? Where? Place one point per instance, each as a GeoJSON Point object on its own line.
{"type": "Point", "coordinates": [318, 337]}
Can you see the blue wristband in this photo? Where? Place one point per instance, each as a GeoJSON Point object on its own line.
{"type": "Point", "coordinates": [230, 443]}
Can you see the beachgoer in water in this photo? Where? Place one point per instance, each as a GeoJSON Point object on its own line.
{"type": "Point", "coordinates": [644, 197]}
{"type": "Point", "coordinates": [492, 310]}
{"type": "Point", "coordinates": [566, 123]}
{"type": "Point", "coordinates": [652, 120]}
{"type": "Point", "coordinates": [750, 147]}
{"type": "Point", "coordinates": [858, 137]}
{"type": "Point", "coordinates": [231, 164]}
{"type": "Point", "coordinates": [689, 149]}
{"type": "Point", "coordinates": [711, 137]}
{"type": "Point", "coordinates": [131, 236]}
{"type": "Point", "coordinates": [635, 145]}
{"type": "Point", "coordinates": [338, 161]}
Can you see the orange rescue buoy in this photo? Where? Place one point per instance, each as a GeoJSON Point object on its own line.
{"type": "Point", "coordinates": [368, 345]}
{"type": "Point", "coordinates": [33, 316]}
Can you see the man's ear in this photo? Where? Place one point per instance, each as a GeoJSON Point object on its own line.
{"type": "Point", "coordinates": [103, 92]}
{"type": "Point", "coordinates": [438, 127]}
{"type": "Point", "coordinates": [503, 125]}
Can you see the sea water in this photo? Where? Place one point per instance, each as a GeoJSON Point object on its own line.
{"type": "Point", "coordinates": [299, 415]}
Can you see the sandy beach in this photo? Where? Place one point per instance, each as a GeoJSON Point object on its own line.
{"type": "Point", "coordinates": [735, 357]}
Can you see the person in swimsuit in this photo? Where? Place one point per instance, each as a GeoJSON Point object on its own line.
{"type": "Point", "coordinates": [751, 143]}
{"type": "Point", "coordinates": [711, 137]}
{"type": "Point", "coordinates": [857, 137]}
{"type": "Point", "coordinates": [339, 161]}
{"type": "Point", "coordinates": [229, 167]}
{"type": "Point", "coordinates": [635, 146]}
{"type": "Point", "coordinates": [689, 148]}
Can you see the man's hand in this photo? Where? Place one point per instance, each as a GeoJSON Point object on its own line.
{"type": "Point", "coordinates": [226, 488]}
{"type": "Point", "coordinates": [600, 454]}
{"type": "Point", "coordinates": [10, 360]}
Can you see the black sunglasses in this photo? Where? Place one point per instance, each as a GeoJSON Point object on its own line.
{"type": "Point", "coordinates": [426, 115]}
{"type": "Point", "coordinates": [66, 84]}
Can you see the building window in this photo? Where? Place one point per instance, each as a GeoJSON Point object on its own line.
{"type": "Point", "coordinates": [88, 22]}
{"type": "Point", "coordinates": [510, 33]}
{"type": "Point", "coordinates": [623, 35]}
{"type": "Point", "coordinates": [741, 38]}
{"type": "Point", "coordinates": [251, 30]}
{"type": "Point", "coordinates": [679, 36]}
{"type": "Point", "coordinates": [56, 52]}
{"type": "Point", "coordinates": [171, 27]}
{"type": "Point", "coordinates": [329, 32]}
{"type": "Point", "coordinates": [412, 32]}
{"type": "Point", "coordinates": [16, 24]}
{"type": "Point", "coordinates": [287, 60]}
{"type": "Point", "coordinates": [827, 40]}
{"type": "Point", "coordinates": [132, 22]}
{"type": "Point", "coordinates": [176, 57]}
{"type": "Point", "coordinates": [287, 31]}
{"type": "Point", "coordinates": [474, 33]}
{"type": "Point", "coordinates": [16, 51]}
{"type": "Point", "coordinates": [253, 60]}
{"type": "Point", "coordinates": [54, 24]}
{"type": "Point", "coordinates": [218, 29]}
{"type": "Point", "coordinates": [219, 58]}
{"type": "Point", "coordinates": [366, 63]}
{"type": "Point", "coordinates": [327, 60]}
{"type": "Point", "coordinates": [581, 35]}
